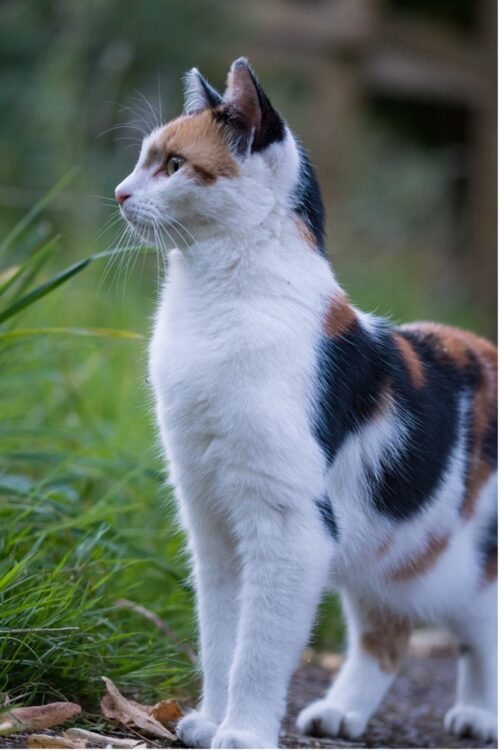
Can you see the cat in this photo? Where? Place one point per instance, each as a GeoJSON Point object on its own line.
{"type": "Point", "coordinates": [311, 446]}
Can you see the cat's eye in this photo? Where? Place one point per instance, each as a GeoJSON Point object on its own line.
{"type": "Point", "coordinates": [174, 163]}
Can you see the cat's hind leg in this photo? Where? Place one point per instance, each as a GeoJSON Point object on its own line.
{"type": "Point", "coordinates": [475, 710]}
{"type": "Point", "coordinates": [377, 642]}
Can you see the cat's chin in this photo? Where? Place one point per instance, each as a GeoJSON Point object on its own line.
{"type": "Point", "coordinates": [143, 234]}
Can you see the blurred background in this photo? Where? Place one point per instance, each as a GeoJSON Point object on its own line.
{"type": "Point", "coordinates": [395, 100]}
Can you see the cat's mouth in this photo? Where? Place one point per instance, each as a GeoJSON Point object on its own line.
{"type": "Point", "coordinates": [141, 227]}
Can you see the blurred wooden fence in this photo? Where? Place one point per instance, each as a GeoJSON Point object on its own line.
{"type": "Point", "coordinates": [364, 51]}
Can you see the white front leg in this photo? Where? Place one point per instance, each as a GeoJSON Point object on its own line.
{"type": "Point", "coordinates": [217, 587]}
{"type": "Point", "coordinates": [285, 561]}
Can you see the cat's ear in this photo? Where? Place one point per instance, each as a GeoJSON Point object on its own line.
{"type": "Point", "coordinates": [260, 124]}
{"type": "Point", "coordinates": [198, 94]}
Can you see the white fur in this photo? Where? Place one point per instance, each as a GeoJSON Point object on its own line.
{"type": "Point", "coordinates": [232, 364]}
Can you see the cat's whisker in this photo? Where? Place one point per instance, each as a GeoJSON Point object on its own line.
{"type": "Point", "coordinates": [134, 140]}
{"type": "Point", "coordinates": [142, 114]}
{"type": "Point", "coordinates": [159, 97]}
{"type": "Point", "coordinates": [107, 226]}
{"type": "Point", "coordinates": [175, 224]}
{"type": "Point", "coordinates": [184, 229]}
{"type": "Point", "coordinates": [161, 249]}
{"type": "Point", "coordinates": [136, 108]}
{"type": "Point", "coordinates": [153, 110]}
{"type": "Point", "coordinates": [125, 267]}
{"type": "Point", "coordinates": [117, 259]}
{"type": "Point", "coordinates": [129, 125]}
{"type": "Point", "coordinates": [111, 259]}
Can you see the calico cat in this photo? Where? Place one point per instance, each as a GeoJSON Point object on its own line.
{"type": "Point", "coordinates": [311, 446]}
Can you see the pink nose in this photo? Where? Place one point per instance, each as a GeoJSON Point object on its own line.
{"type": "Point", "coordinates": [121, 196]}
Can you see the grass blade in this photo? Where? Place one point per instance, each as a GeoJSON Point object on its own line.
{"type": "Point", "coordinates": [28, 218]}
{"type": "Point", "coordinates": [101, 333]}
{"type": "Point", "coordinates": [60, 278]}
{"type": "Point", "coordinates": [34, 264]}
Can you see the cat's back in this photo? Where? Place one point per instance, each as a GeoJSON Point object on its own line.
{"type": "Point", "coordinates": [454, 364]}
{"type": "Point", "coordinates": [465, 351]}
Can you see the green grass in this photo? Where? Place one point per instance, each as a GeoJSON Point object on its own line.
{"type": "Point", "coordinates": [84, 507]}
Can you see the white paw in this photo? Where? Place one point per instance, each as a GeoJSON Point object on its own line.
{"type": "Point", "coordinates": [229, 738]}
{"type": "Point", "coordinates": [196, 730]}
{"type": "Point", "coordinates": [463, 720]}
{"type": "Point", "coordinates": [321, 718]}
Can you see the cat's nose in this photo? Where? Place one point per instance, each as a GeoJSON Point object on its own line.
{"type": "Point", "coordinates": [121, 196]}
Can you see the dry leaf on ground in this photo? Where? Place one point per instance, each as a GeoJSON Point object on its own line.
{"type": "Point", "coordinates": [131, 714]}
{"type": "Point", "coordinates": [52, 741]}
{"type": "Point", "coordinates": [37, 718]}
{"type": "Point", "coordinates": [94, 740]}
{"type": "Point", "coordinates": [166, 711]}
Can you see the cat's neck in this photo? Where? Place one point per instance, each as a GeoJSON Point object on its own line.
{"type": "Point", "coordinates": [279, 252]}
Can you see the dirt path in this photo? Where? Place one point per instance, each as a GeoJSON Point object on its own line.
{"type": "Point", "coordinates": [410, 717]}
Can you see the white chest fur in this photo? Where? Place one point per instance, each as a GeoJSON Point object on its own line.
{"type": "Point", "coordinates": [231, 361]}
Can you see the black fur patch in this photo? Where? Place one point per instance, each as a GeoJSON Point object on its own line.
{"type": "Point", "coordinates": [354, 371]}
{"type": "Point", "coordinates": [490, 442]}
{"type": "Point", "coordinates": [431, 416]}
{"type": "Point", "coordinates": [325, 509]}
{"type": "Point", "coordinates": [212, 96]}
{"type": "Point", "coordinates": [488, 548]}
{"type": "Point", "coordinates": [307, 201]}
{"type": "Point", "coordinates": [237, 127]}
{"type": "Point", "coordinates": [272, 127]}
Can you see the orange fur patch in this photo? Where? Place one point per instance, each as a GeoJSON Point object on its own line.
{"type": "Point", "coordinates": [423, 562]}
{"type": "Point", "coordinates": [452, 343]}
{"type": "Point", "coordinates": [490, 572]}
{"type": "Point", "coordinates": [483, 408]}
{"type": "Point", "coordinates": [201, 141]}
{"type": "Point", "coordinates": [384, 548]}
{"type": "Point", "coordinates": [412, 361]}
{"type": "Point", "coordinates": [386, 639]}
{"type": "Point", "coordinates": [305, 232]}
{"type": "Point", "coordinates": [339, 317]}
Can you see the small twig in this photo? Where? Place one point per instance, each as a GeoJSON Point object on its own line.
{"type": "Point", "coordinates": [149, 741]}
{"type": "Point", "coordinates": [96, 739]}
{"type": "Point", "coordinates": [159, 623]}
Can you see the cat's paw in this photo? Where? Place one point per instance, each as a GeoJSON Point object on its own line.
{"type": "Point", "coordinates": [229, 738]}
{"type": "Point", "coordinates": [464, 720]}
{"type": "Point", "coordinates": [321, 718]}
{"type": "Point", "coordinates": [196, 730]}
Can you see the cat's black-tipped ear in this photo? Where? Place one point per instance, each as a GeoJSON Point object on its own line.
{"type": "Point", "coordinates": [255, 115]}
{"type": "Point", "coordinates": [198, 94]}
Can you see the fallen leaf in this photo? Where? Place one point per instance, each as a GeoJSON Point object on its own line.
{"type": "Point", "coordinates": [52, 741]}
{"type": "Point", "coordinates": [331, 661]}
{"type": "Point", "coordinates": [37, 718]}
{"type": "Point", "coordinates": [116, 707]}
{"type": "Point", "coordinates": [166, 711]}
{"type": "Point", "coordinates": [101, 741]}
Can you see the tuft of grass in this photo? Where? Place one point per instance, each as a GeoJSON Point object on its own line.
{"type": "Point", "coordinates": [84, 506]}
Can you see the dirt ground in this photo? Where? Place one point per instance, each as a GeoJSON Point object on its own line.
{"type": "Point", "coordinates": [411, 715]}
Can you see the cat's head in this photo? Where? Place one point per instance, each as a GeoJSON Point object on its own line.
{"type": "Point", "coordinates": [225, 165]}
